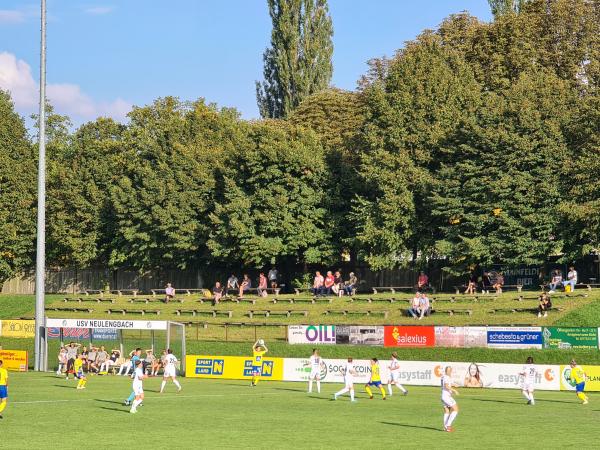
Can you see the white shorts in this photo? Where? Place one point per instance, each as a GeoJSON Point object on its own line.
{"type": "Point", "coordinates": [529, 387]}
{"type": "Point", "coordinates": [394, 377]}
{"type": "Point", "coordinates": [170, 372]}
{"type": "Point", "coordinates": [138, 389]}
{"type": "Point", "coordinates": [315, 373]}
{"type": "Point", "coordinates": [349, 382]}
{"type": "Point", "coordinates": [447, 400]}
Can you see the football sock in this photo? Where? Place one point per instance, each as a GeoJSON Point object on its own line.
{"type": "Point", "coordinates": [177, 384]}
{"type": "Point", "coordinates": [446, 415]}
{"type": "Point", "coordinates": [343, 391]}
{"type": "Point", "coordinates": [2, 406]}
{"type": "Point", "coordinates": [390, 389]}
{"type": "Point", "coordinates": [136, 404]}
{"type": "Point", "coordinates": [162, 385]}
{"type": "Point", "coordinates": [131, 397]}
{"type": "Point", "coordinates": [532, 399]}
{"type": "Point", "coordinates": [319, 386]}
{"type": "Point", "coordinates": [382, 391]}
{"type": "Point", "coordinates": [351, 394]}
{"type": "Point", "coordinates": [310, 385]}
{"type": "Point", "coordinates": [83, 382]}
{"type": "Point", "coordinates": [526, 395]}
{"type": "Point", "coordinates": [453, 415]}
{"type": "Point", "coordinates": [581, 396]}
{"type": "Point", "coordinates": [401, 387]}
{"type": "Point", "coordinates": [368, 389]}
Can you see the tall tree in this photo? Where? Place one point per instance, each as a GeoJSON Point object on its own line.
{"type": "Point", "coordinates": [500, 7]}
{"type": "Point", "coordinates": [17, 192]}
{"type": "Point", "coordinates": [298, 63]}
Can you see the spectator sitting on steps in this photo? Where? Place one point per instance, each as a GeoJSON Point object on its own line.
{"type": "Point", "coordinates": [556, 281]}
{"type": "Point", "coordinates": [471, 284]}
{"type": "Point", "coordinates": [232, 283]}
{"type": "Point", "coordinates": [262, 285]}
{"type": "Point", "coordinates": [424, 306]}
{"type": "Point", "coordinates": [217, 293]}
{"type": "Point", "coordinates": [486, 283]}
{"type": "Point", "coordinates": [318, 281]}
{"type": "Point", "coordinates": [338, 284]}
{"type": "Point", "coordinates": [498, 283]}
{"type": "Point", "coordinates": [422, 281]}
{"type": "Point", "coordinates": [329, 282]}
{"type": "Point", "coordinates": [273, 277]}
{"type": "Point", "coordinates": [414, 305]}
{"type": "Point", "coordinates": [571, 279]}
{"type": "Point", "coordinates": [169, 293]}
{"type": "Point", "coordinates": [246, 284]}
{"type": "Point", "coordinates": [351, 284]}
{"type": "Point", "coordinates": [545, 305]}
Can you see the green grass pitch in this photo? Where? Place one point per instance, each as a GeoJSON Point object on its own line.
{"type": "Point", "coordinates": [46, 411]}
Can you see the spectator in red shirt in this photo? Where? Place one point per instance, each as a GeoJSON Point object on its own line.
{"type": "Point", "coordinates": [262, 285]}
{"type": "Point", "coordinates": [329, 282]}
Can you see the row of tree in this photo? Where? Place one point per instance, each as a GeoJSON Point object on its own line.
{"type": "Point", "coordinates": [476, 143]}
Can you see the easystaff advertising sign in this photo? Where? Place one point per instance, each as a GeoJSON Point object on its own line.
{"type": "Point", "coordinates": [14, 360]}
{"type": "Point", "coordinates": [591, 384]}
{"type": "Point", "coordinates": [117, 324]}
{"type": "Point", "coordinates": [231, 367]}
{"type": "Point", "coordinates": [428, 373]}
{"type": "Point", "coordinates": [408, 336]}
{"type": "Point", "coordinates": [514, 337]}
{"type": "Point", "coordinates": [556, 337]}
{"type": "Point", "coordinates": [359, 335]}
{"type": "Point", "coordinates": [17, 328]}
{"type": "Point", "coordinates": [311, 334]}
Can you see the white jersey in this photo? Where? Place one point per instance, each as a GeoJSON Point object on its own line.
{"type": "Point", "coordinates": [348, 372]}
{"type": "Point", "coordinates": [447, 399]}
{"type": "Point", "coordinates": [315, 362]}
{"type": "Point", "coordinates": [138, 376]}
{"type": "Point", "coordinates": [170, 361]}
{"type": "Point", "coordinates": [394, 369]}
{"type": "Point", "coordinates": [529, 373]}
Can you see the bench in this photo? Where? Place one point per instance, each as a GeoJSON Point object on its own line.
{"type": "Point", "coordinates": [279, 313]}
{"type": "Point", "coordinates": [123, 311]}
{"type": "Point", "coordinates": [345, 312]}
{"type": "Point", "coordinates": [187, 291]}
{"type": "Point", "coordinates": [453, 312]}
{"type": "Point", "coordinates": [392, 289]}
{"type": "Point", "coordinates": [205, 312]}
{"type": "Point", "coordinates": [83, 299]}
{"type": "Point", "coordinates": [69, 309]}
{"type": "Point", "coordinates": [520, 310]}
{"type": "Point", "coordinates": [94, 292]}
{"type": "Point", "coordinates": [145, 300]}
{"type": "Point", "coordinates": [373, 300]}
{"type": "Point", "coordinates": [458, 290]}
{"type": "Point", "coordinates": [304, 300]}
{"type": "Point", "coordinates": [121, 292]}
{"type": "Point", "coordinates": [299, 291]}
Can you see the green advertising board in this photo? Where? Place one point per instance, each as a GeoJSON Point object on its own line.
{"type": "Point", "coordinates": [557, 337]}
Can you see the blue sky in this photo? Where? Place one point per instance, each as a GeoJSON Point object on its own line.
{"type": "Point", "coordinates": [105, 56]}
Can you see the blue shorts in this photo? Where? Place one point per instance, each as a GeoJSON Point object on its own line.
{"type": "Point", "coordinates": [256, 370]}
{"type": "Point", "coordinates": [80, 375]}
{"type": "Point", "coordinates": [580, 387]}
{"type": "Point", "coordinates": [374, 383]}
{"type": "Point", "coordinates": [3, 392]}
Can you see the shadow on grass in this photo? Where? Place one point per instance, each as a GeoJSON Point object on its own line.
{"type": "Point", "coordinates": [412, 426]}
{"type": "Point", "coordinates": [126, 411]}
{"type": "Point", "coordinates": [108, 401]}
{"type": "Point", "coordinates": [496, 401]}
{"type": "Point", "coordinates": [288, 389]}
{"type": "Point", "coordinates": [538, 400]}
{"type": "Point", "coordinates": [65, 387]}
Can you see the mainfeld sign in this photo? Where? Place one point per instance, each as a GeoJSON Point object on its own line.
{"type": "Point", "coordinates": [311, 334]}
{"type": "Point", "coordinates": [359, 335]}
{"type": "Point", "coordinates": [408, 336]}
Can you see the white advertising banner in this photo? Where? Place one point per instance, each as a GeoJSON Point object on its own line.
{"type": "Point", "coordinates": [428, 373]}
{"type": "Point", "coordinates": [311, 334]}
{"type": "Point", "coordinates": [122, 324]}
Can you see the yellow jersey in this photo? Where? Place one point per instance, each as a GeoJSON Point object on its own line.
{"type": "Point", "coordinates": [375, 375]}
{"type": "Point", "coordinates": [257, 356]}
{"type": "Point", "coordinates": [78, 365]}
{"type": "Point", "coordinates": [3, 377]}
{"type": "Point", "coordinates": [577, 375]}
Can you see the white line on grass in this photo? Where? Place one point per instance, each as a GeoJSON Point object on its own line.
{"type": "Point", "coordinates": [166, 397]}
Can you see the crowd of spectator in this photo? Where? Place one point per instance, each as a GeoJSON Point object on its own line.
{"type": "Point", "coordinates": [97, 360]}
{"type": "Point", "coordinates": [333, 284]}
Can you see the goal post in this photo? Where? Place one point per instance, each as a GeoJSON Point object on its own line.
{"type": "Point", "coordinates": [121, 334]}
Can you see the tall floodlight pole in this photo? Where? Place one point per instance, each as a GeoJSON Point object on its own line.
{"type": "Point", "coordinates": [40, 262]}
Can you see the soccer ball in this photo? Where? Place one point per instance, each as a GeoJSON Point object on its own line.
{"type": "Point", "coordinates": [261, 342]}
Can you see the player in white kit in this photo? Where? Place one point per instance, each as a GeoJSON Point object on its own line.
{"type": "Point", "coordinates": [450, 406]}
{"type": "Point", "coordinates": [170, 371]}
{"type": "Point", "coordinates": [138, 387]}
{"type": "Point", "coordinates": [529, 373]}
{"type": "Point", "coordinates": [315, 364]}
{"type": "Point", "coordinates": [395, 375]}
{"type": "Point", "coordinates": [349, 373]}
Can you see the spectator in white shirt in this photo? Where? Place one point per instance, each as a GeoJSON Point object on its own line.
{"type": "Point", "coordinates": [571, 278]}
{"type": "Point", "coordinates": [169, 293]}
{"type": "Point", "coordinates": [424, 306]}
{"type": "Point", "coordinates": [556, 281]}
{"type": "Point", "coordinates": [318, 281]}
{"type": "Point", "coordinates": [414, 305]}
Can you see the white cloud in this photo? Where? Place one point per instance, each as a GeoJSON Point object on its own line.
{"type": "Point", "coordinates": [8, 16]}
{"type": "Point", "coordinates": [67, 98]}
{"type": "Point", "coordinates": [98, 10]}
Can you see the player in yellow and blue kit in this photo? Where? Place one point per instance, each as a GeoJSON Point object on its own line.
{"type": "Point", "coordinates": [258, 350]}
{"type": "Point", "coordinates": [3, 388]}
{"type": "Point", "coordinates": [578, 377]}
{"type": "Point", "coordinates": [79, 374]}
{"type": "Point", "coordinates": [375, 379]}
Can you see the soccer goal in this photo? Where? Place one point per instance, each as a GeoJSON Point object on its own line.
{"type": "Point", "coordinates": [120, 334]}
